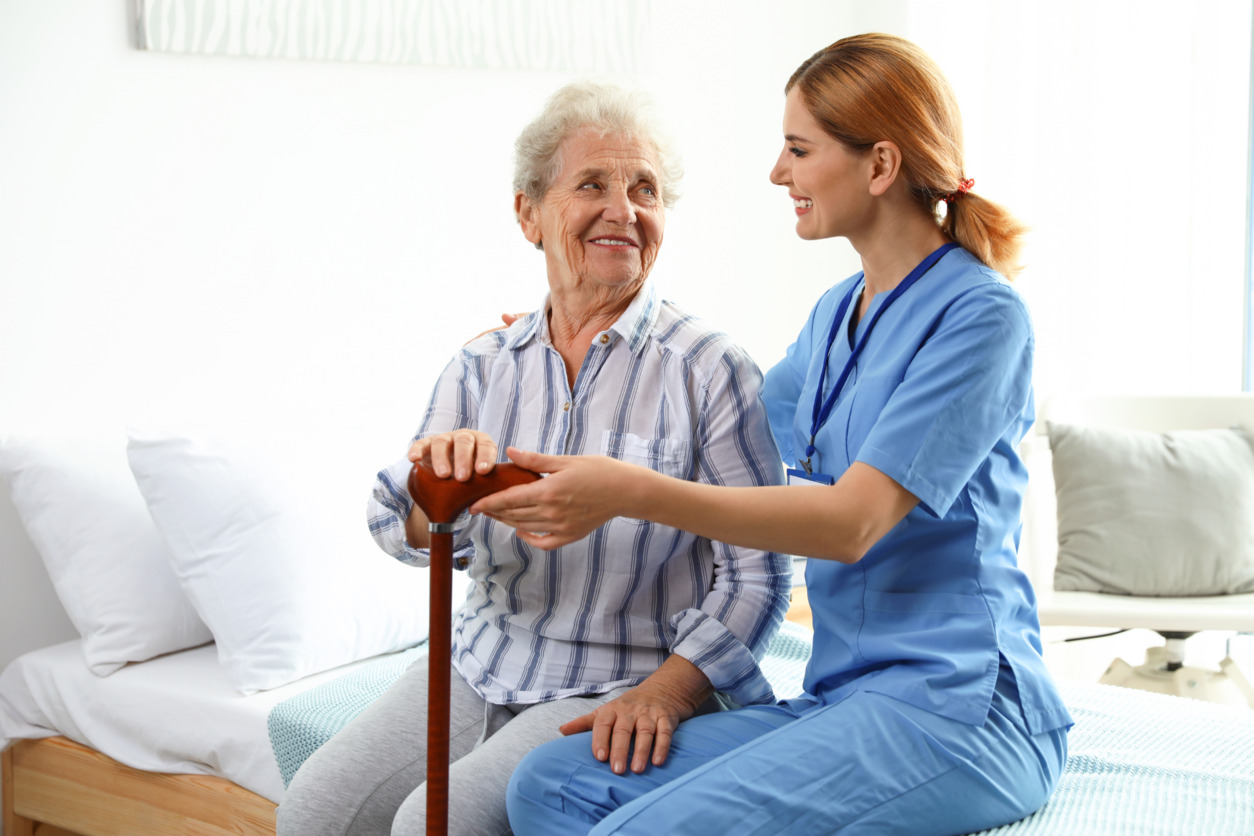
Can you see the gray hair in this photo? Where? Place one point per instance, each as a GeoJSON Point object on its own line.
{"type": "Point", "coordinates": [590, 104]}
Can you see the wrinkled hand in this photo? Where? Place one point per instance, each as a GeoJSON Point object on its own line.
{"type": "Point", "coordinates": [650, 712]}
{"type": "Point", "coordinates": [508, 318]}
{"type": "Point", "coordinates": [455, 453]}
{"type": "Point", "coordinates": [579, 495]}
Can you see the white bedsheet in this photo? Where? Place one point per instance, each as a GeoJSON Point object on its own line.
{"type": "Point", "coordinates": [176, 713]}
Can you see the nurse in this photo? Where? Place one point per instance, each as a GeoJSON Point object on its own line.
{"type": "Point", "coordinates": [899, 409]}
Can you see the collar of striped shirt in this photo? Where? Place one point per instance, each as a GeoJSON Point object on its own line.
{"type": "Point", "coordinates": [633, 326]}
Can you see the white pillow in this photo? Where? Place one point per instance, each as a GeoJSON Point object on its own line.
{"type": "Point", "coordinates": [109, 566]}
{"type": "Point", "coordinates": [1142, 513]}
{"type": "Point", "coordinates": [269, 540]}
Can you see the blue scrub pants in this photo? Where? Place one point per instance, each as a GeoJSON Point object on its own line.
{"type": "Point", "coordinates": [867, 764]}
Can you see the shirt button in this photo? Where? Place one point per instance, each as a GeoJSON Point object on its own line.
{"type": "Point", "coordinates": [566, 407]}
{"type": "Point", "coordinates": [605, 338]}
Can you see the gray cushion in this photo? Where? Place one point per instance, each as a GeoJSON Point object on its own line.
{"type": "Point", "coordinates": [1143, 513]}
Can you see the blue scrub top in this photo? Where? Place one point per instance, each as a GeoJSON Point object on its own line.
{"type": "Point", "coordinates": [938, 401]}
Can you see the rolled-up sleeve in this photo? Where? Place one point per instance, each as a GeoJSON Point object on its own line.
{"type": "Point", "coordinates": [387, 510]}
{"type": "Point", "coordinates": [390, 504]}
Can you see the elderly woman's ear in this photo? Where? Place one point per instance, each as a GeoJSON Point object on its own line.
{"type": "Point", "coordinates": [528, 218]}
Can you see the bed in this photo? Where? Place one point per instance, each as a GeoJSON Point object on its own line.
{"type": "Point", "coordinates": [1140, 762]}
{"type": "Point", "coordinates": [236, 559]}
{"type": "Point", "coordinates": [221, 642]}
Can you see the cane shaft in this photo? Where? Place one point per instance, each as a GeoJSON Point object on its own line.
{"type": "Point", "coordinates": [440, 651]}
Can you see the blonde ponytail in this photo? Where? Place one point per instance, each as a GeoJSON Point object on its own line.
{"type": "Point", "coordinates": [867, 88]}
{"type": "Point", "coordinates": [987, 231]}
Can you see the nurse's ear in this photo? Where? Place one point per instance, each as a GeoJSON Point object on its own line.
{"type": "Point", "coordinates": [885, 165]}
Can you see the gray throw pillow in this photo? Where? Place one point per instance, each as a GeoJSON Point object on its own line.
{"type": "Point", "coordinates": [1142, 513]}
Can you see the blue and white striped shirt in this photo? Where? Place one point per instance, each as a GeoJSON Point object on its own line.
{"type": "Point", "coordinates": [658, 388]}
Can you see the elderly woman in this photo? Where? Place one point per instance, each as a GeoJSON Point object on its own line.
{"type": "Point", "coordinates": [633, 628]}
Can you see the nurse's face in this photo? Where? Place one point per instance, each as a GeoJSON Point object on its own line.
{"type": "Point", "coordinates": [828, 183]}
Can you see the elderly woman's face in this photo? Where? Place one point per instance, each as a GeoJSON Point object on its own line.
{"type": "Point", "coordinates": [601, 221]}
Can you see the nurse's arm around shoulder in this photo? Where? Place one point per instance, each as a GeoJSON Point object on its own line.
{"type": "Point", "coordinates": [839, 522]}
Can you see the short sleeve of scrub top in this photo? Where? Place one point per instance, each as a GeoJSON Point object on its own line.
{"type": "Point", "coordinates": [944, 379]}
{"type": "Point", "coordinates": [956, 400]}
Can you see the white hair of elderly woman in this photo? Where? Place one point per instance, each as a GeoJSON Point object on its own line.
{"type": "Point", "coordinates": [584, 104]}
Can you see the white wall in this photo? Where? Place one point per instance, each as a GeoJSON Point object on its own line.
{"type": "Point", "coordinates": [223, 234]}
{"type": "Point", "coordinates": [294, 242]}
{"type": "Point", "coordinates": [283, 241]}
{"type": "Point", "coordinates": [1118, 130]}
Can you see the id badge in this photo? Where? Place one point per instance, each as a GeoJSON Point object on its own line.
{"type": "Point", "coordinates": [797, 476]}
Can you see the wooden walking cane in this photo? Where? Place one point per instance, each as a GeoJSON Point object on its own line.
{"type": "Point", "coordinates": [442, 500]}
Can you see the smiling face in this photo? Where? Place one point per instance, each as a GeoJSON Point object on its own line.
{"type": "Point", "coordinates": [601, 221]}
{"type": "Point", "coordinates": [829, 183]}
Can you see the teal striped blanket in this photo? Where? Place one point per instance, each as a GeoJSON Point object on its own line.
{"type": "Point", "coordinates": [1146, 764]}
{"type": "Point", "coordinates": [1139, 763]}
{"type": "Point", "coordinates": [300, 724]}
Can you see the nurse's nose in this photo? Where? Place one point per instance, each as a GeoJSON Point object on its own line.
{"type": "Point", "coordinates": [780, 173]}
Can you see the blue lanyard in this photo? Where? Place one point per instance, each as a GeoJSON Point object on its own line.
{"type": "Point", "coordinates": [823, 408]}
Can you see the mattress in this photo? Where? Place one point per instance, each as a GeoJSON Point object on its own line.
{"type": "Point", "coordinates": [178, 713]}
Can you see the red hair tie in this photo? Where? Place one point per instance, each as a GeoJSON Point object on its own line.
{"type": "Point", "coordinates": [964, 186]}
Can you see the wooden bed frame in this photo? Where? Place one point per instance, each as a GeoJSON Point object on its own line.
{"type": "Point", "coordinates": [55, 787]}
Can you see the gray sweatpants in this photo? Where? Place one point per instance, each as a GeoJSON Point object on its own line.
{"type": "Point", "coordinates": [369, 779]}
